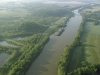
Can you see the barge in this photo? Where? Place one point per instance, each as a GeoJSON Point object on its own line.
{"type": "Point", "coordinates": [59, 32]}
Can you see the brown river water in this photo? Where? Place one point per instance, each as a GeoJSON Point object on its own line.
{"type": "Point", "coordinates": [46, 63]}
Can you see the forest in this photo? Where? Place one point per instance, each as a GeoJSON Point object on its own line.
{"type": "Point", "coordinates": [34, 23]}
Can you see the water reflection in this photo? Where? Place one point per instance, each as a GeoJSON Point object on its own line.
{"type": "Point", "coordinates": [19, 38]}
{"type": "Point", "coordinates": [4, 43]}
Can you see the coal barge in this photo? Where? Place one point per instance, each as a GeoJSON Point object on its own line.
{"type": "Point", "coordinates": [59, 32]}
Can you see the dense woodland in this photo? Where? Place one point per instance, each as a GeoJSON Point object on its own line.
{"type": "Point", "coordinates": [33, 22]}
{"type": "Point", "coordinates": [32, 19]}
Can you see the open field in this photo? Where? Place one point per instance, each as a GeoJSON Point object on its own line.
{"type": "Point", "coordinates": [66, 3]}
{"type": "Point", "coordinates": [91, 42]}
{"type": "Point", "coordinates": [76, 58]}
{"type": "Point", "coordinates": [93, 9]}
{"type": "Point", "coordinates": [90, 39]}
{"type": "Point", "coordinates": [82, 56]}
{"type": "Point", "coordinates": [90, 49]}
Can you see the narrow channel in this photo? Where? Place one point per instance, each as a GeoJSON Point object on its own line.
{"type": "Point", "coordinates": [46, 63]}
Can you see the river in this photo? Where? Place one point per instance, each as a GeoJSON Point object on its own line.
{"type": "Point", "coordinates": [4, 43]}
{"type": "Point", "coordinates": [3, 58]}
{"type": "Point", "coordinates": [46, 63]}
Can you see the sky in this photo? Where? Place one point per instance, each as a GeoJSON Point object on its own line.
{"type": "Point", "coordinates": [6, 0]}
{"type": "Point", "coordinates": [39, 0]}
{"type": "Point", "coordinates": [17, 0]}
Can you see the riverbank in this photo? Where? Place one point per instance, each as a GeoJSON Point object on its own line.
{"type": "Point", "coordinates": [91, 35]}
{"type": "Point", "coordinates": [90, 39]}
{"type": "Point", "coordinates": [46, 63]}
{"type": "Point", "coordinates": [82, 56]}
{"type": "Point", "coordinates": [66, 64]}
{"type": "Point", "coordinates": [33, 47]}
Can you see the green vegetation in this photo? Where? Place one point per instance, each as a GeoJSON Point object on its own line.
{"type": "Point", "coordinates": [90, 37]}
{"type": "Point", "coordinates": [29, 19]}
{"type": "Point", "coordinates": [88, 70]}
{"type": "Point", "coordinates": [33, 22]}
{"type": "Point", "coordinates": [82, 57]}
{"type": "Point", "coordinates": [91, 42]}
{"type": "Point", "coordinates": [66, 61]}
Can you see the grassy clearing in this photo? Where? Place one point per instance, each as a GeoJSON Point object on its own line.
{"type": "Point", "coordinates": [98, 38]}
{"type": "Point", "coordinates": [85, 48]}
{"type": "Point", "coordinates": [77, 57]}
{"type": "Point", "coordinates": [93, 9]}
{"type": "Point", "coordinates": [91, 42]}
{"type": "Point", "coordinates": [91, 46]}
{"type": "Point", "coordinates": [56, 25]}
